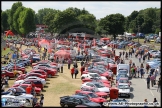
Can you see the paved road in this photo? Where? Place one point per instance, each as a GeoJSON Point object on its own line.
{"type": "Point", "coordinates": [139, 88]}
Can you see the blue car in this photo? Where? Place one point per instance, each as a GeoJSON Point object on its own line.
{"type": "Point", "coordinates": [123, 75]}
{"type": "Point", "coordinates": [3, 102]}
{"type": "Point", "coordinates": [79, 57]}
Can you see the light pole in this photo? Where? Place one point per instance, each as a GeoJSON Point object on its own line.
{"type": "Point", "coordinates": [138, 32]}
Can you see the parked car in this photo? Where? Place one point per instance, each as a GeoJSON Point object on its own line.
{"type": "Point", "coordinates": [7, 74]}
{"type": "Point", "coordinates": [92, 75]}
{"type": "Point", "coordinates": [39, 72]}
{"type": "Point", "coordinates": [121, 75]}
{"type": "Point", "coordinates": [50, 71]}
{"type": "Point", "coordinates": [92, 89]}
{"type": "Point", "coordinates": [158, 40]}
{"type": "Point", "coordinates": [124, 89]}
{"type": "Point", "coordinates": [33, 77]}
{"type": "Point", "coordinates": [123, 81]}
{"type": "Point", "coordinates": [44, 62]}
{"type": "Point", "coordinates": [19, 96]}
{"type": "Point", "coordinates": [37, 83]}
{"type": "Point", "coordinates": [24, 76]}
{"type": "Point", "coordinates": [18, 90]}
{"type": "Point", "coordinates": [92, 97]}
{"type": "Point", "coordinates": [45, 65]}
{"type": "Point", "coordinates": [97, 85]}
{"type": "Point", "coordinates": [72, 101]}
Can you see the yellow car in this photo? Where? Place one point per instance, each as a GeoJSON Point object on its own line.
{"type": "Point", "coordinates": [152, 40]}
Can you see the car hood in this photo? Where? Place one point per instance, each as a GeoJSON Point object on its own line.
{"type": "Point", "coordinates": [98, 99]}
{"type": "Point", "coordinates": [104, 89]}
{"type": "Point", "coordinates": [17, 82]}
{"type": "Point", "coordinates": [124, 90]}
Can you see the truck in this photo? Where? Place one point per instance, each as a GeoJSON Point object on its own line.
{"type": "Point", "coordinates": [121, 67]}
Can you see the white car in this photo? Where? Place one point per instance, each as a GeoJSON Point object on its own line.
{"type": "Point", "coordinates": [124, 89]}
{"type": "Point", "coordinates": [21, 96]}
{"type": "Point", "coordinates": [97, 85]}
{"type": "Point", "coordinates": [93, 75]}
{"type": "Point", "coordinates": [31, 77]}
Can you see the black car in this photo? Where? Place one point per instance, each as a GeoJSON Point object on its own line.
{"type": "Point", "coordinates": [72, 101]}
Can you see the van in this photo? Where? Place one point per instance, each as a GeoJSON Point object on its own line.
{"type": "Point", "coordinates": [123, 67]}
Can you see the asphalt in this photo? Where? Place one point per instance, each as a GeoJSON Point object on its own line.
{"type": "Point", "coordinates": [139, 90]}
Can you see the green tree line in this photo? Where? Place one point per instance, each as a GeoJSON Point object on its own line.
{"type": "Point", "coordinates": [22, 20]}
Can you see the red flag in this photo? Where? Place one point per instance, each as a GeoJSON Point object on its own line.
{"type": "Point", "coordinates": [94, 42]}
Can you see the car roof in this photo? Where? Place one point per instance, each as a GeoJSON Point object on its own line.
{"type": "Point", "coordinates": [123, 84]}
{"type": "Point", "coordinates": [85, 92]}
{"type": "Point", "coordinates": [78, 96]}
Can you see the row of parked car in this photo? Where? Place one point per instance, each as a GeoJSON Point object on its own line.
{"type": "Point", "coordinates": [96, 84]}
{"type": "Point", "coordinates": [36, 78]}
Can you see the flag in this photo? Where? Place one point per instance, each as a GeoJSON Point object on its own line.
{"type": "Point", "coordinates": [94, 42]}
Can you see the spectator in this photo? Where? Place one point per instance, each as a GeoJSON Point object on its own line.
{"type": "Point", "coordinates": [61, 66]}
{"type": "Point", "coordinates": [156, 73]}
{"type": "Point", "coordinates": [82, 69]}
{"type": "Point", "coordinates": [72, 72]}
{"type": "Point", "coordinates": [148, 81]}
{"type": "Point", "coordinates": [82, 63]}
{"type": "Point", "coordinates": [148, 54]}
{"type": "Point", "coordinates": [138, 70]}
{"type": "Point", "coordinates": [76, 72]}
{"type": "Point", "coordinates": [41, 100]}
{"type": "Point", "coordinates": [144, 58]}
{"type": "Point", "coordinates": [159, 85]}
{"type": "Point", "coordinates": [152, 78]}
{"type": "Point", "coordinates": [69, 63]}
{"type": "Point", "coordinates": [147, 68]}
{"type": "Point", "coordinates": [145, 103]}
{"type": "Point", "coordinates": [75, 64]}
{"type": "Point", "coordinates": [142, 70]}
{"type": "Point", "coordinates": [139, 57]}
{"type": "Point", "coordinates": [34, 101]}
{"type": "Point", "coordinates": [58, 67]}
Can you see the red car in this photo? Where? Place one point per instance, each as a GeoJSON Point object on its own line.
{"type": "Point", "coordinates": [7, 74]}
{"type": "Point", "coordinates": [91, 89]}
{"type": "Point", "coordinates": [50, 71]}
{"type": "Point", "coordinates": [44, 62]}
{"type": "Point", "coordinates": [130, 44]}
{"type": "Point", "coordinates": [91, 96]}
{"type": "Point", "coordinates": [37, 90]}
{"type": "Point", "coordinates": [39, 71]}
{"type": "Point", "coordinates": [23, 76]}
{"type": "Point", "coordinates": [17, 68]}
{"type": "Point", "coordinates": [37, 83]}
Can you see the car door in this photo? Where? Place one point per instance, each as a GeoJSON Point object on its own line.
{"type": "Point", "coordinates": [70, 102]}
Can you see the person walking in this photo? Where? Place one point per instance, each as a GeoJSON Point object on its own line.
{"type": "Point", "coordinates": [75, 64]}
{"type": "Point", "coordinates": [41, 100]}
{"type": "Point", "coordinates": [142, 70]}
{"type": "Point", "coordinates": [123, 53]}
{"type": "Point", "coordinates": [155, 102]}
{"type": "Point", "coordinates": [58, 67]}
{"type": "Point", "coordinates": [138, 70]}
{"type": "Point", "coordinates": [34, 101]}
{"type": "Point", "coordinates": [147, 68]}
{"type": "Point", "coordinates": [82, 63]}
{"type": "Point", "coordinates": [69, 63]}
{"type": "Point", "coordinates": [159, 85]}
{"type": "Point", "coordinates": [72, 72]}
{"type": "Point", "coordinates": [148, 81]}
{"type": "Point", "coordinates": [145, 103]}
{"type": "Point", "coordinates": [139, 58]}
{"type": "Point", "coordinates": [156, 74]}
{"type": "Point", "coordinates": [61, 66]}
{"type": "Point", "coordinates": [126, 55]}
{"type": "Point", "coordinates": [82, 69]}
{"type": "Point", "coordinates": [76, 72]}
{"type": "Point", "coordinates": [144, 58]}
{"type": "Point", "coordinates": [152, 78]}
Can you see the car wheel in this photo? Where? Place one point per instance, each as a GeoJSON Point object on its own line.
{"type": "Point", "coordinates": [17, 75]}
{"type": "Point", "coordinates": [128, 95]}
{"type": "Point", "coordinates": [7, 77]}
{"type": "Point", "coordinates": [49, 75]}
{"type": "Point", "coordinates": [83, 78]}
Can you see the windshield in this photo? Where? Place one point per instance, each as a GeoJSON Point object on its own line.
{"type": "Point", "coordinates": [92, 95]}
{"type": "Point", "coordinates": [94, 75]}
{"type": "Point", "coordinates": [85, 100]}
{"type": "Point", "coordinates": [122, 75]}
{"type": "Point", "coordinates": [123, 71]}
{"type": "Point", "coordinates": [99, 85]}
{"type": "Point", "coordinates": [123, 81]}
{"type": "Point", "coordinates": [123, 86]}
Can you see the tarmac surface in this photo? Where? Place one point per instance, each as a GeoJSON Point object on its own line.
{"type": "Point", "coordinates": [139, 90]}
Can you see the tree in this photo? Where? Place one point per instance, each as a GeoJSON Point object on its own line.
{"type": "Point", "coordinates": [4, 22]}
{"type": "Point", "coordinates": [41, 13]}
{"type": "Point", "coordinates": [113, 24]}
{"type": "Point", "coordinates": [16, 17]}
{"type": "Point", "coordinates": [13, 10]}
{"type": "Point", "coordinates": [27, 21]}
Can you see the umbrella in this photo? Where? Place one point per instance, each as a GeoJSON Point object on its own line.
{"type": "Point", "coordinates": [63, 53]}
{"type": "Point", "coordinates": [44, 43]}
{"type": "Point", "coordinates": [9, 32]}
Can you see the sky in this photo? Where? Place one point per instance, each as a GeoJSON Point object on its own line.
{"type": "Point", "coordinates": [99, 9]}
